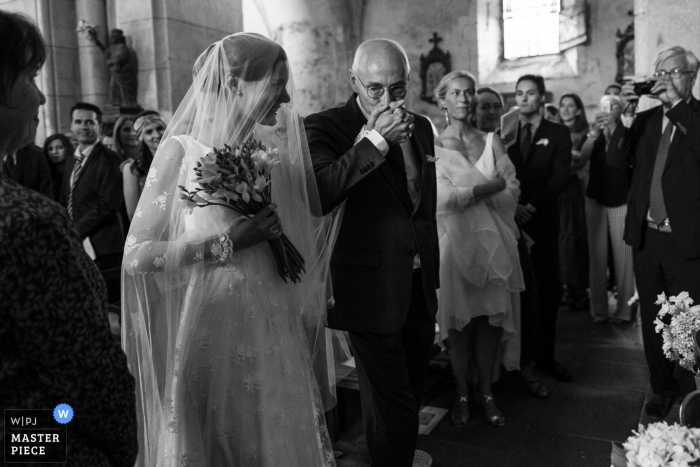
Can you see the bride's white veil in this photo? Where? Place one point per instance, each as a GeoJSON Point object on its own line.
{"type": "Point", "coordinates": [236, 83]}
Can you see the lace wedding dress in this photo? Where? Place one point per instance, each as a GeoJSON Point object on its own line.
{"type": "Point", "coordinates": [231, 362]}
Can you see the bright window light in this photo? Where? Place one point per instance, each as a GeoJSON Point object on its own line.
{"type": "Point", "coordinates": [530, 28]}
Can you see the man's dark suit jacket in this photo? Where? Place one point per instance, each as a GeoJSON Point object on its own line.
{"type": "Point", "coordinates": [97, 200]}
{"type": "Point", "coordinates": [680, 181]}
{"type": "Point", "coordinates": [381, 231]}
{"type": "Point", "coordinates": [543, 173]}
{"type": "Point", "coordinates": [30, 168]}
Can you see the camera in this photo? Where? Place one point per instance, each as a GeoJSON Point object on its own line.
{"type": "Point", "coordinates": [643, 88]}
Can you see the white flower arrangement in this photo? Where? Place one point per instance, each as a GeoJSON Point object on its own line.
{"type": "Point", "coordinates": [678, 335]}
{"type": "Point", "coordinates": [661, 445]}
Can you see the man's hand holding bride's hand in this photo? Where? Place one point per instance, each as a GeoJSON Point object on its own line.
{"type": "Point", "coordinates": [264, 226]}
{"type": "Point", "coordinates": [392, 121]}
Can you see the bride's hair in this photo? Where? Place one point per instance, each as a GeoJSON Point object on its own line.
{"type": "Point", "coordinates": [245, 62]}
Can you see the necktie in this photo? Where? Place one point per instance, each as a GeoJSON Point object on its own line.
{"type": "Point", "coordinates": [657, 208]}
{"type": "Point", "coordinates": [75, 175]}
{"type": "Point", "coordinates": [526, 140]}
{"type": "Point", "coordinates": [412, 178]}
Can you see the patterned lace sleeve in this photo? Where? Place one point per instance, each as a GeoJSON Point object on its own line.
{"type": "Point", "coordinates": [152, 245]}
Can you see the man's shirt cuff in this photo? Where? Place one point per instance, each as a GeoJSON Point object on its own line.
{"type": "Point", "coordinates": [375, 138]}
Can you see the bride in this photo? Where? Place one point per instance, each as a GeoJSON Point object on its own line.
{"type": "Point", "coordinates": [230, 361]}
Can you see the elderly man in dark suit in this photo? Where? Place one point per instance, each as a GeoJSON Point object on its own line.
{"type": "Point", "coordinates": [28, 167]}
{"type": "Point", "coordinates": [542, 158]}
{"type": "Point", "coordinates": [92, 190]}
{"type": "Point", "coordinates": [663, 211]}
{"type": "Point", "coordinates": [376, 157]}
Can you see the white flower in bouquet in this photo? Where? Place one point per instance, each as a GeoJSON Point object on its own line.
{"type": "Point", "coordinates": [661, 445]}
{"type": "Point", "coordinates": [678, 335]}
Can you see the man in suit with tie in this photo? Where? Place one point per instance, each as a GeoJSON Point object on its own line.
{"type": "Point", "coordinates": [92, 189]}
{"type": "Point", "coordinates": [376, 157]}
{"type": "Point", "coordinates": [663, 211]}
{"type": "Point", "coordinates": [541, 154]}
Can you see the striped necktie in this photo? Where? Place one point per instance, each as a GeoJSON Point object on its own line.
{"type": "Point", "coordinates": [75, 175]}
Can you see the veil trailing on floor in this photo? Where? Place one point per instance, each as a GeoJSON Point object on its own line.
{"type": "Point", "coordinates": [238, 83]}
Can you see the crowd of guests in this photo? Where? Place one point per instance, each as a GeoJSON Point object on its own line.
{"type": "Point", "coordinates": [525, 222]}
{"type": "Point", "coordinates": [585, 216]}
{"type": "Point", "coordinates": [97, 177]}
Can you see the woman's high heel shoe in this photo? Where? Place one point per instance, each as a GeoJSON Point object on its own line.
{"type": "Point", "coordinates": [494, 415]}
{"type": "Point", "coordinates": [460, 412]}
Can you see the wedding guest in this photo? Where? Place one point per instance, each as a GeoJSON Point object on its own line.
{"type": "Point", "coordinates": [663, 212]}
{"type": "Point", "coordinates": [373, 155]}
{"type": "Point", "coordinates": [542, 158]}
{"type": "Point", "coordinates": [126, 141]}
{"type": "Point", "coordinates": [573, 243]}
{"type": "Point", "coordinates": [480, 275]}
{"type": "Point", "coordinates": [28, 167]}
{"type": "Point", "coordinates": [606, 208]}
{"type": "Point", "coordinates": [92, 192]}
{"type": "Point", "coordinates": [487, 110]}
{"type": "Point", "coordinates": [149, 128]}
{"type": "Point", "coordinates": [57, 149]}
{"type": "Point", "coordinates": [54, 339]}
{"type": "Point", "coordinates": [613, 90]}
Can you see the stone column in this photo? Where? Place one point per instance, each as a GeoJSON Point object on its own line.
{"type": "Point", "coordinates": [168, 37]}
{"type": "Point", "coordinates": [59, 78]}
{"type": "Point", "coordinates": [660, 24]}
{"type": "Point", "coordinates": [94, 76]}
{"type": "Point", "coordinates": [320, 38]}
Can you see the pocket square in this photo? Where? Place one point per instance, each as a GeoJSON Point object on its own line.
{"type": "Point", "coordinates": [544, 142]}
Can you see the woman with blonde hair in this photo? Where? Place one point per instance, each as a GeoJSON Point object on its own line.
{"type": "Point", "coordinates": [480, 275]}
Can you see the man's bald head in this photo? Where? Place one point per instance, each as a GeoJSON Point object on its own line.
{"type": "Point", "coordinates": [380, 52]}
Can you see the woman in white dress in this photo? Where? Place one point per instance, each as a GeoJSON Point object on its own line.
{"type": "Point", "coordinates": [230, 361]}
{"type": "Point", "coordinates": [480, 275]}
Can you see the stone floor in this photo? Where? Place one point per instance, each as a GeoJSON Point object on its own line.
{"type": "Point", "coordinates": [573, 428]}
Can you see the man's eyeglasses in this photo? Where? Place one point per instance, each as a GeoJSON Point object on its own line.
{"type": "Point", "coordinates": [675, 73]}
{"type": "Point", "coordinates": [397, 91]}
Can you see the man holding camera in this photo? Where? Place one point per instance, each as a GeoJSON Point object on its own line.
{"type": "Point", "coordinates": [663, 213]}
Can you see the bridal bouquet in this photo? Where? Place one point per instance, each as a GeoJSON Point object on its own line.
{"type": "Point", "coordinates": [239, 178]}
{"type": "Point", "coordinates": [679, 336]}
{"type": "Point", "coordinates": [660, 445]}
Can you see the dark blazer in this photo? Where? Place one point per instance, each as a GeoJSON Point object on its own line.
{"type": "Point", "coordinates": [608, 185]}
{"type": "Point", "coordinates": [543, 174]}
{"type": "Point", "coordinates": [98, 200]}
{"type": "Point", "coordinates": [30, 168]}
{"type": "Point", "coordinates": [381, 231]}
{"type": "Point", "coordinates": [680, 180]}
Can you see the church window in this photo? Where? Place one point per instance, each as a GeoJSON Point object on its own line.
{"type": "Point", "coordinates": [530, 28]}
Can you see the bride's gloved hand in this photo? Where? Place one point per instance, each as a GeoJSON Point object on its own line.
{"type": "Point", "coordinates": [264, 226]}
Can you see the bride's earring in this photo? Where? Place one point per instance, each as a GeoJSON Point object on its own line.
{"type": "Point", "coordinates": [239, 93]}
{"type": "Point", "coordinates": [447, 116]}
